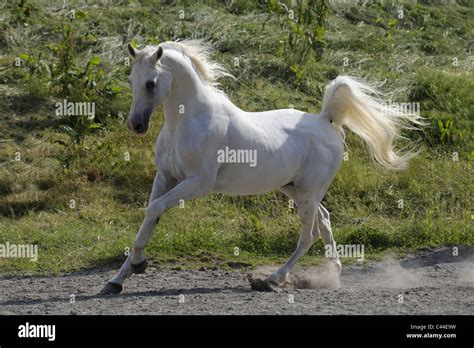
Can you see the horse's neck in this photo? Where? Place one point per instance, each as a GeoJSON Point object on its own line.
{"type": "Point", "coordinates": [182, 103]}
{"type": "Point", "coordinates": [189, 98]}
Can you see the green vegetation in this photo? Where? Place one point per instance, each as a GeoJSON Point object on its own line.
{"type": "Point", "coordinates": [77, 186]}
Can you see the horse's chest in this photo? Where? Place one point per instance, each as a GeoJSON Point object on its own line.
{"type": "Point", "coordinates": [176, 158]}
{"type": "Point", "coordinates": [166, 160]}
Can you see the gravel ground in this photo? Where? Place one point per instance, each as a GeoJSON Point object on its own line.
{"type": "Point", "coordinates": [434, 282]}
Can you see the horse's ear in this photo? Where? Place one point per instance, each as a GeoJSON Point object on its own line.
{"type": "Point", "coordinates": [157, 55]}
{"type": "Point", "coordinates": [131, 50]}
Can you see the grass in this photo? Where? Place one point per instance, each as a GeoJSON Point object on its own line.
{"type": "Point", "coordinates": [414, 55]}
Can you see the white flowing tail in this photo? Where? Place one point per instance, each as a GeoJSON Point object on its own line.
{"type": "Point", "coordinates": [352, 103]}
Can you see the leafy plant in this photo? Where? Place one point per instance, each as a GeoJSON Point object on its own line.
{"type": "Point", "coordinates": [35, 67]}
{"type": "Point", "coordinates": [22, 11]}
{"type": "Point", "coordinates": [76, 129]}
{"type": "Point", "coordinates": [305, 22]}
{"type": "Point", "coordinates": [447, 131]}
{"type": "Point", "coordinates": [298, 72]}
{"type": "Point", "coordinates": [32, 63]}
{"type": "Point", "coordinates": [62, 69]}
{"type": "Point", "coordinates": [307, 31]}
{"type": "Point", "coordinates": [68, 78]}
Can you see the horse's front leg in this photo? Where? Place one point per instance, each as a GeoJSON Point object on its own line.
{"type": "Point", "coordinates": [161, 185]}
{"type": "Point", "coordinates": [189, 188]}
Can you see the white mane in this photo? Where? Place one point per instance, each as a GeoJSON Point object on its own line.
{"type": "Point", "coordinates": [199, 52]}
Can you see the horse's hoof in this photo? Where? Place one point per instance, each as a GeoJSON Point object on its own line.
{"type": "Point", "coordinates": [275, 280]}
{"type": "Point", "coordinates": [111, 288]}
{"type": "Point", "coordinates": [140, 268]}
{"type": "Point", "coordinates": [259, 284]}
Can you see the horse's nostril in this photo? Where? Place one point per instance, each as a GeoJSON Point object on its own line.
{"type": "Point", "coordinates": [138, 127]}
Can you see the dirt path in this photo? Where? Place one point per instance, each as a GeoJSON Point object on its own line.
{"type": "Point", "coordinates": [435, 282]}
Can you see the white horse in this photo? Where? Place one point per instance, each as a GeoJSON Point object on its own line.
{"type": "Point", "coordinates": [297, 152]}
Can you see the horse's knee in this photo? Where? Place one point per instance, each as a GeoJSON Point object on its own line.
{"type": "Point", "coordinates": [154, 210]}
{"type": "Point", "coordinates": [305, 240]}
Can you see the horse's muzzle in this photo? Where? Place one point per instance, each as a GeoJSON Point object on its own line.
{"type": "Point", "coordinates": [138, 124]}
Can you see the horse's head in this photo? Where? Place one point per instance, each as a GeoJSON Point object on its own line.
{"type": "Point", "coordinates": [150, 86]}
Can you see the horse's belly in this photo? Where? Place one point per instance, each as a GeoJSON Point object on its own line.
{"type": "Point", "coordinates": [239, 179]}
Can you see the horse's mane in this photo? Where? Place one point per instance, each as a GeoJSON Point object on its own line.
{"type": "Point", "coordinates": [199, 52]}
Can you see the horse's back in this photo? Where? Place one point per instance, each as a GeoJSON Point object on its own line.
{"type": "Point", "coordinates": [298, 124]}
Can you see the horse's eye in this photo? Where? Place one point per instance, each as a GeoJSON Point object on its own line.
{"type": "Point", "coordinates": [150, 85]}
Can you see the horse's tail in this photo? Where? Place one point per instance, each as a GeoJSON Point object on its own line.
{"type": "Point", "coordinates": [352, 103]}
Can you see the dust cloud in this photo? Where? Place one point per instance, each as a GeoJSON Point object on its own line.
{"type": "Point", "coordinates": [322, 277]}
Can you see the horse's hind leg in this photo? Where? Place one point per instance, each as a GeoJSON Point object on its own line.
{"type": "Point", "coordinates": [325, 231]}
{"type": "Point", "coordinates": [321, 228]}
{"type": "Point", "coordinates": [307, 208]}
